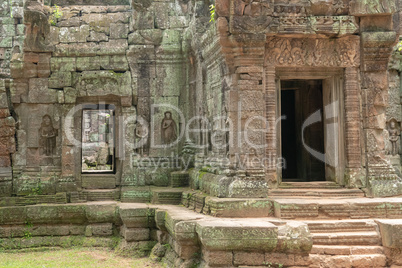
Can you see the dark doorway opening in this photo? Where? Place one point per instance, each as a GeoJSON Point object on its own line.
{"type": "Point", "coordinates": [299, 100]}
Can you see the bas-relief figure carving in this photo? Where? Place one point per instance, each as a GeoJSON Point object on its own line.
{"type": "Point", "coordinates": [47, 136]}
{"type": "Point", "coordinates": [141, 134]}
{"type": "Point", "coordinates": [168, 129]}
{"type": "Point", "coordinates": [394, 133]}
{"type": "Point", "coordinates": [313, 52]}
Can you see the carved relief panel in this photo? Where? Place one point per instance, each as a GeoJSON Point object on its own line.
{"type": "Point", "coordinates": [342, 52]}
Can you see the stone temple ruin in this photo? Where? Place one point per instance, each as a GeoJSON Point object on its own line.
{"type": "Point", "coordinates": [266, 135]}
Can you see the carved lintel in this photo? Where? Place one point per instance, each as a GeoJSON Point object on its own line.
{"type": "Point", "coordinates": [330, 25]}
{"type": "Point", "coordinates": [342, 52]}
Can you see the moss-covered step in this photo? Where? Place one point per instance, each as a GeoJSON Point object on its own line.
{"type": "Point", "coordinates": [238, 207]}
{"type": "Point", "coordinates": [355, 208]}
{"type": "Point", "coordinates": [166, 196]}
{"type": "Point", "coordinates": [240, 234]}
{"type": "Point", "coordinates": [102, 195]}
{"type": "Point", "coordinates": [59, 198]}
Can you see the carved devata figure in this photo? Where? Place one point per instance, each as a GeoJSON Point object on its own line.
{"type": "Point", "coordinates": [141, 134]}
{"type": "Point", "coordinates": [394, 133]}
{"type": "Point", "coordinates": [168, 127]}
{"type": "Point", "coordinates": [47, 136]}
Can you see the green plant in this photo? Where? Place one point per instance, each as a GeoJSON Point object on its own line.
{"type": "Point", "coordinates": [212, 13]}
{"type": "Point", "coordinates": [167, 246]}
{"type": "Point", "coordinates": [37, 190]}
{"type": "Point", "coordinates": [56, 14]}
{"type": "Point", "coordinates": [28, 227]}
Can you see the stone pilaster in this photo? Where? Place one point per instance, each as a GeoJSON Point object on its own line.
{"type": "Point", "coordinates": [354, 173]}
{"type": "Point", "coordinates": [376, 51]}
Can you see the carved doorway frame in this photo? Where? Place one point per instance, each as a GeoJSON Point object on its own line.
{"type": "Point", "coordinates": [333, 116]}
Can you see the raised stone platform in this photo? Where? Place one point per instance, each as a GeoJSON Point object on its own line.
{"type": "Point", "coordinates": [209, 241]}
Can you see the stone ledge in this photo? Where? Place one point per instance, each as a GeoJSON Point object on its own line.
{"type": "Point", "coordinates": [391, 233]}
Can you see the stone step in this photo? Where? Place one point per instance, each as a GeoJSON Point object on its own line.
{"type": "Point", "coordinates": [355, 208]}
{"type": "Point", "coordinates": [310, 185]}
{"type": "Point", "coordinates": [355, 261]}
{"type": "Point", "coordinates": [102, 195]}
{"type": "Point", "coordinates": [342, 226]}
{"type": "Point", "coordinates": [179, 178]}
{"type": "Point", "coordinates": [169, 196]}
{"type": "Point", "coordinates": [346, 250]}
{"type": "Point", "coordinates": [315, 193]}
{"type": "Point", "coordinates": [347, 238]}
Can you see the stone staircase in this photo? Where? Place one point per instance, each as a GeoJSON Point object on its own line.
{"type": "Point", "coordinates": [315, 189]}
{"type": "Point", "coordinates": [346, 243]}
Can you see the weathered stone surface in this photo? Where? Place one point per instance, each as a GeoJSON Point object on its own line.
{"type": "Point", "coordinates": [88, 63]}
{"type": "Point", "coordinates": [234, 235]}
{"type": "Point", "coordinates": [136, 215]}
{"type": "Point", "coordinates": [135, 234]}
{"type": "Point", "coordinates": [391, 233]}
{"type": "Point", "coordinates": [60, 80]}
{"type": "Point", "coordinates": [98, 83]}
{"type": "Point", "coordinates": [74, 34]}
{"type": "Point", "coordinates": [39, 91]}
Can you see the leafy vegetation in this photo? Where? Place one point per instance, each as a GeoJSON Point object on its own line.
{"type": "Point", "coordinates": [56, 14]}
{"type": "Point", "coordinates": [212, 13]}
{"type": "Point", "coordinates": [399, 46]}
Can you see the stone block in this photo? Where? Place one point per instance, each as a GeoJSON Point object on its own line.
{"type": "Point", "coordinates": [166, 196]}
{"type": "Point", "coordinates": [70, 94]}
{"type": "Point", "coordinates": [115, 63]}
{"type": "Point", "coordinates": [248, 258]}
{"type": "Point", "coordinates": [368, 209]}
{"type": "Point", "coordinates": [105, 212]}
{"type": "Point", "coordinates": [365, 7]}
{"type": "Point", "coordinates": [44, 65]}
{"type": "Point", "coordinates": [178, 22]}
{"type": "Point", "coordinates": [363, 261]}
{"type": "Point", "coordinates": [88, 63]}
{"type": "Point", "coordinates": [186, 252]}
{"type": "Point", "coordinates": [290, 210]}
{"type": "Point", "coordinates": [218, 258]}
{"type": "Point", "coordinates": [60, 80]}
{"type": "Point", "coordinates": [6, 42]}
{"type": "Point", "coordinates": [96, 83]}
{"type": "Point", "coordinates": [104, 229]}
{"type": "Point", "coordinates": [275, 258]}
{"type": "Point", "coordinates": [135, 234]}
{"type": "Point", "coordinates": [74, 34]}
{"type": "Point", "coordinates": [239, 235]}
{"type": "Point", "coordinates": [63, 64]}
{"type": "Point", "coordinates": [6, 187]}
{"type": "Point", "coordinates": [39, 91]}
{"type": "Point", "coordinates": [97, 37]}
{"type": "Point", "coordinates": [391, 233]}
{"type": "Point", "coordinates": [136, 215]}
{"type": "Point", "coordinates": [118, 31]}
{"type": "Point", "coordinates": [294, 237]}
{"type": "Point", "coordinates": [135, 194]}
{"type": "Point", "coordinates": [98, 181]}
